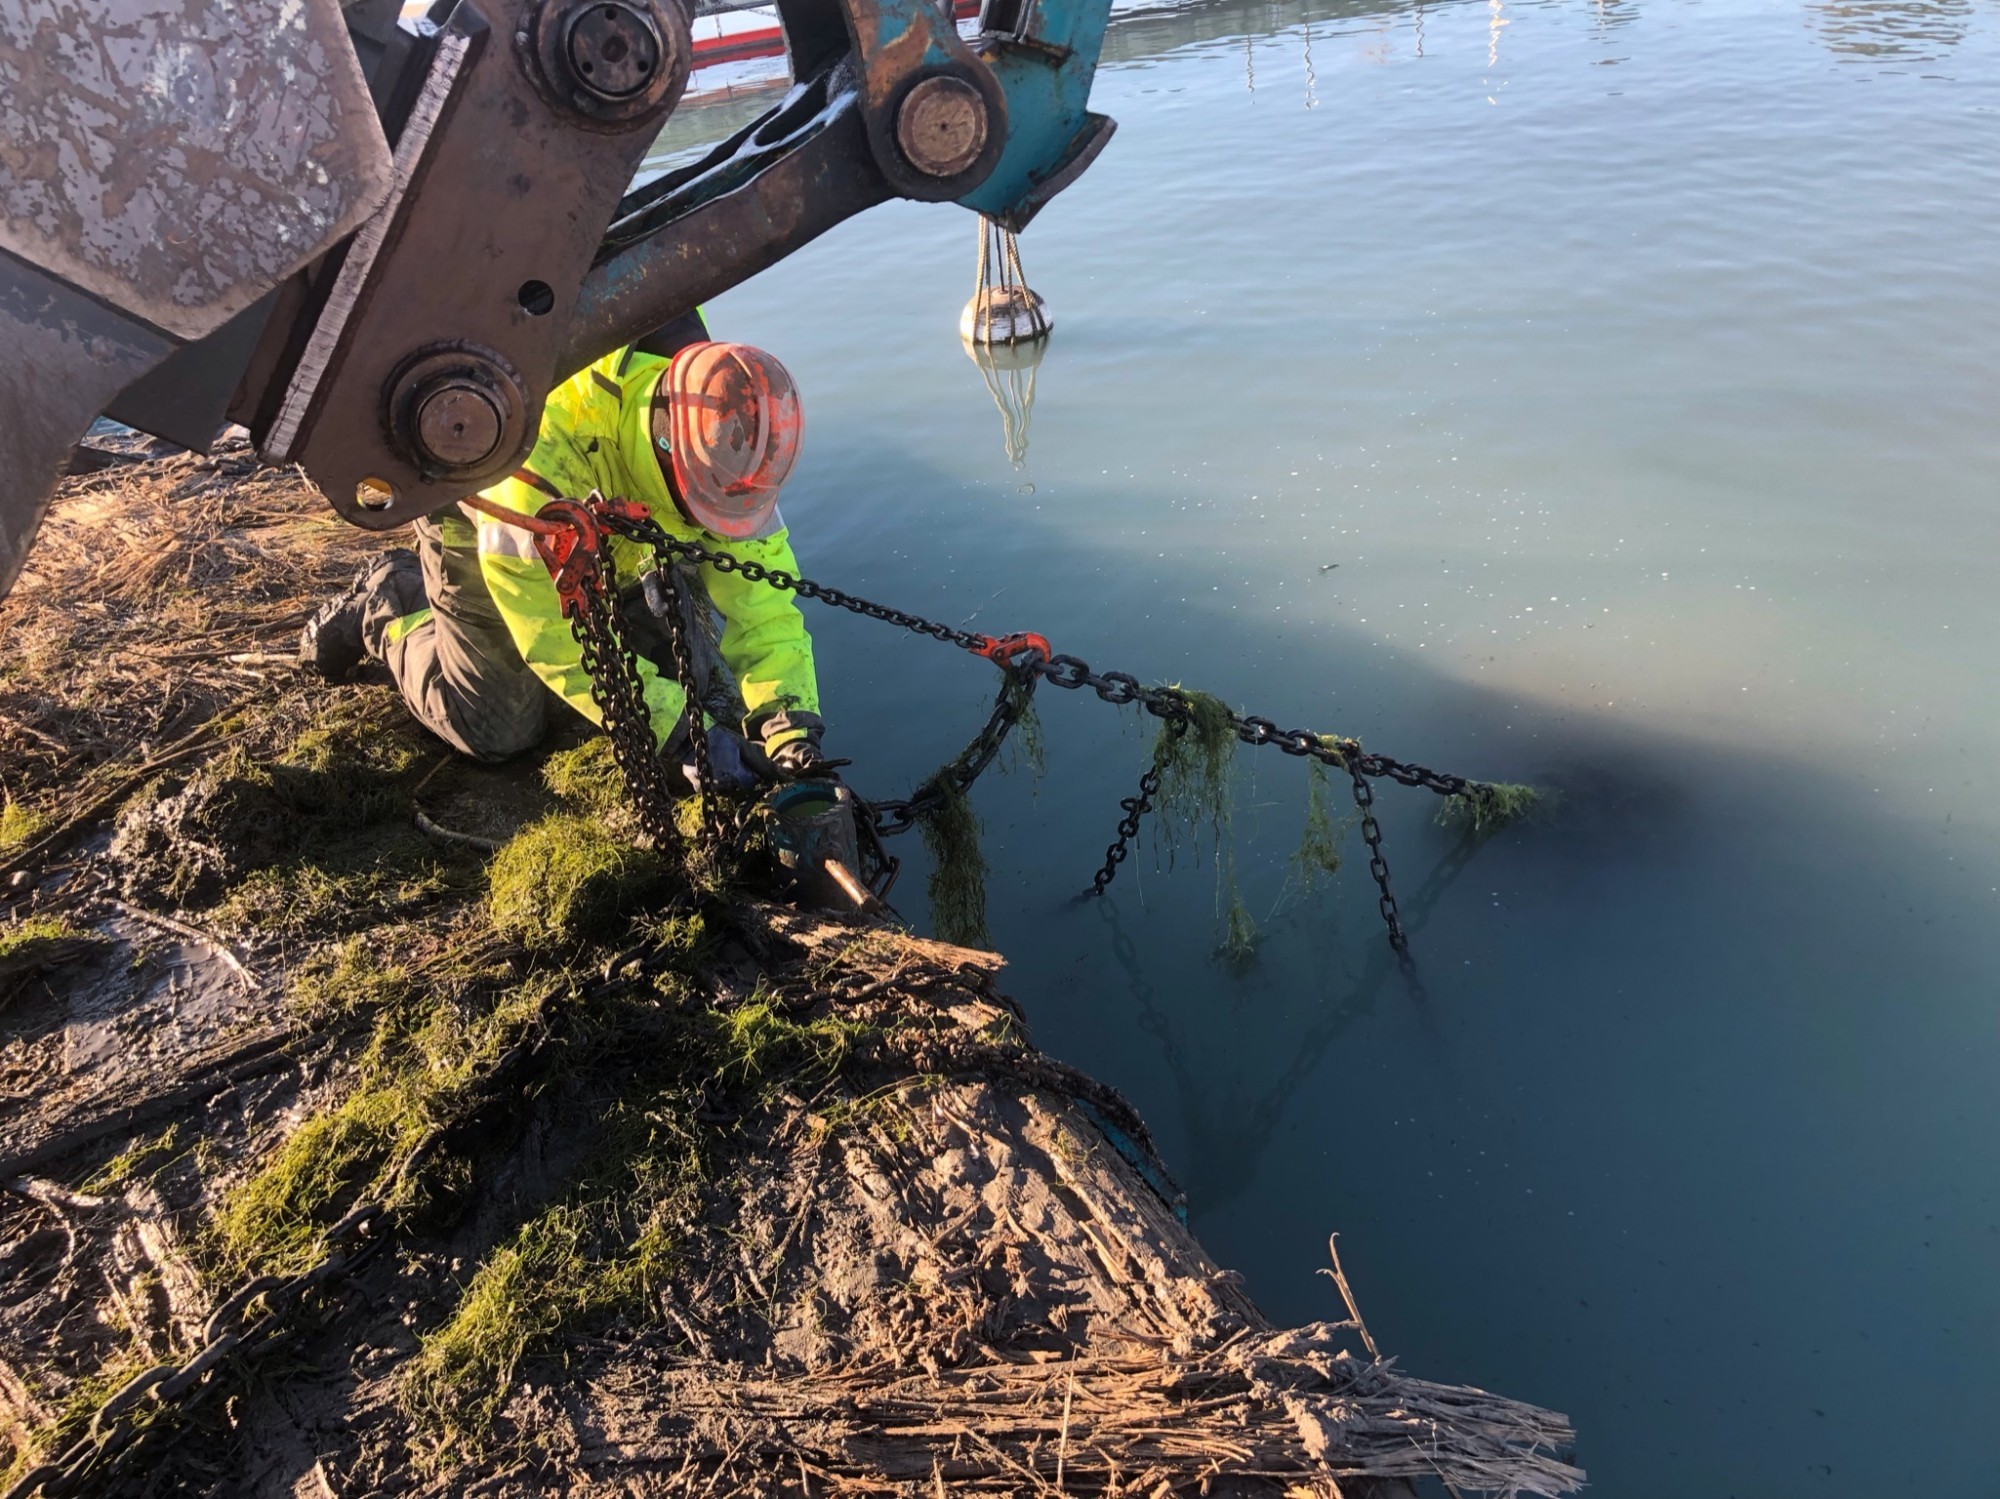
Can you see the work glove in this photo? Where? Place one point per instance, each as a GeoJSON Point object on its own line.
{"type": "Point", "coordinates": [795, 760]}
{"type": "Point", "coordinates": [731, 761]}
{"type": "Point", "coordinates": [797, 757]}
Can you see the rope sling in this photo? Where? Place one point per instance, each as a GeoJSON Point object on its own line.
{"type": "Point", "coordinates": [1005, 328]}
{"type": "Point", "coordinates": [1003, 310]}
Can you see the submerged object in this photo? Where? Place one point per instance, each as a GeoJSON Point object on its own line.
{"type": "Point", "coordinates": [1009, 371]}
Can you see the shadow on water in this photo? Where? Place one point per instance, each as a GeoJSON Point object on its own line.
{"type": "Point", "coordinates": [1628, 1076]}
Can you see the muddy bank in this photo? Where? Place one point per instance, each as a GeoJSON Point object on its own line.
{"type": "Point", "coordinates": [570, 1163]}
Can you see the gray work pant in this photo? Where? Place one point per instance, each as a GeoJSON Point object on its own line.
{"type": "Point", "coordinates": [458, 670]}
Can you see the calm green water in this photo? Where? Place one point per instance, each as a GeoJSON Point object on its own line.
{"type": "Point", "coordinates": [1639, 365]}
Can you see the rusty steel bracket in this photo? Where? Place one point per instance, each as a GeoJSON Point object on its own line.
{"type": "Point", "coordinates": [936, 117]}
{"type": "Point", "coordinates": [391, 288]}
{"type": "Point", "coordinates": [423, 375]}
{"type": "Point", "coordinates": [160, 173]}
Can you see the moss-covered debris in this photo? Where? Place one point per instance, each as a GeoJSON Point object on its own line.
{"type": "Point", "coordinates": [421, 1073]}
{"type": "Point", "coordinates": [564, 878]}
{"type": "Point", "coordinates": [313, 786]}
{"type": "Point", "coordinates": [33, 939]}
{"type": "Point", "coordinates": [39, 945]}
{"type": "Point", "coordinates": [608, 1247]}
{"type": "Point", "coordinates": [587, 779]}
{"type": "Point", "coordinates": [1486, 807]}
{"type": "Point", "coordinates": [559, 1270]}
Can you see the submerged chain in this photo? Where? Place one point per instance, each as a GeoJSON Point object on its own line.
{"type": "Point", "coordinates": [1135, 809]}
{"type": "Point", "coordinates": [1115, 687]}
{"type": "Point", "coordinates": [1378, 866]}
{"type": "Point", "coordinates": [899, 815]}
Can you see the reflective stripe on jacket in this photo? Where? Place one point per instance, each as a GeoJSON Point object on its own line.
{"type": "Point", "coordinates": [596, 434]}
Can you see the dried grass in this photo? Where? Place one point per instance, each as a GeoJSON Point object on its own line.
{"type": "Point", "coordinates": [159, 598]}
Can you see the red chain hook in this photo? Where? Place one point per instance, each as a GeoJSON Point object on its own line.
{"type": "Point", "coordinates": [1002, 650]}
{"type": "Point", "coordinates": [569, 538]}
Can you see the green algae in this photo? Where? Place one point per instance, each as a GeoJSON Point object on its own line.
{"type": "Point", "coordinates": [25, 942]}
{"type": "Point", "coordinates": [1194, 755]}
{"type": "Point", "coordinates": [563, 879]}
{"type": "Point", "coordinates": [141, 1159]}
{"type": "Point", "coordinates": [20, 825]}
{"type": "Point", "coordinates": [354, 977]}
{"type": "Point", "coordinates": [957, 887]}
{"type": "Point", "coordinates": [1317, 858]}
{"type": "Point", "coordinates": [1486, 807]}
{"type": "Point", "coordinates": [558, 1270]}
{"type": "Point", "coordinates": [607, 1248]}
{"type": "Point", "coordinates": [587, 778]}
{"type": "Point", "coordinates": [421, 1071]}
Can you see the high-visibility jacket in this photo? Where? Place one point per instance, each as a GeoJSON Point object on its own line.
{"type": "Point", "coordinates": [597, 434]}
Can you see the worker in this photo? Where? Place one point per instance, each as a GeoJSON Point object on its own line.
{"type": "Point", "coordinates": [469, 624]}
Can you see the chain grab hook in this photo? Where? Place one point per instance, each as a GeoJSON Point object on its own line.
{"type": "Point", "coordinates": [570, 538]}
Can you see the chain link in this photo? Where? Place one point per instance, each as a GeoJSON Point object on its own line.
{"type": "Point", "coordinates": [1135, 809]}
{"type": "Point", "coordinates": [169, 1389]}
{"type": "Point", "coordinates": [1024, 665]}
{"type": "Point", "coordinates": [899, 815]}
{"type": "Point", "coordinates": [612, 668]}
{"type": "Point", "coordinates": [663, 597]}
{"type": "Point", "coordinates": [1378, 866]}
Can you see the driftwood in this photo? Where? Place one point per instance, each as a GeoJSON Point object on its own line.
{"type": "Point", "coordinates": [1173, 1381]}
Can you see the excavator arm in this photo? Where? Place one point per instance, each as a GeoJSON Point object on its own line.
{"type": "Point", "coordinates": [378, 242]}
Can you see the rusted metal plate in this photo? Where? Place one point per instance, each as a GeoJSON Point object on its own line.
{"type": "Point", "coordinates": [178, 158]}
{"type": "Point", "coordinates": [770, 189]}
{"type": "Point", "coordinates": [457, 297]}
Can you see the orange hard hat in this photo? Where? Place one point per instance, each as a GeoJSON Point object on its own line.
{"type": "Point", "coordinates": [727, 425]}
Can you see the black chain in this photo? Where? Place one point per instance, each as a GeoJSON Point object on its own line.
{"type": "Point", "coordinates": [612, 666]}
{"type": "Point", "coordinates": [1378, 866]}
{"type": "Point", "coordinates": [651, 534]}
{"type": "Point", "coordinates": [1115, 687]}
{"type": "Point", "coordinates": [112, 1438]}
{"type": "Point", "coordinates": [1122, 688]}
{"type": "Point", "coordinates": [663, 597]}
{"type": "Point", "coordinates": [899, 815]}
{"type": "Point", "coordinates": [1135, 809]}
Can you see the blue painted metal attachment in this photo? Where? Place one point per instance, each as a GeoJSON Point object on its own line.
{"type": "Point", "coordinates": [1043, 53]}
{"type": "Point", "coordinates": [905, 109]}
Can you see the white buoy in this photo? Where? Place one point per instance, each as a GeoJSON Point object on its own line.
{"type": "Point", "coordinates": [1003, 310]}
{"type": "Point", "coordinates": [1005, 315]}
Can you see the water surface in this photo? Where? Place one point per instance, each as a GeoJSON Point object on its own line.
{"type": "Point", "coordinates": [1602, 394]}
